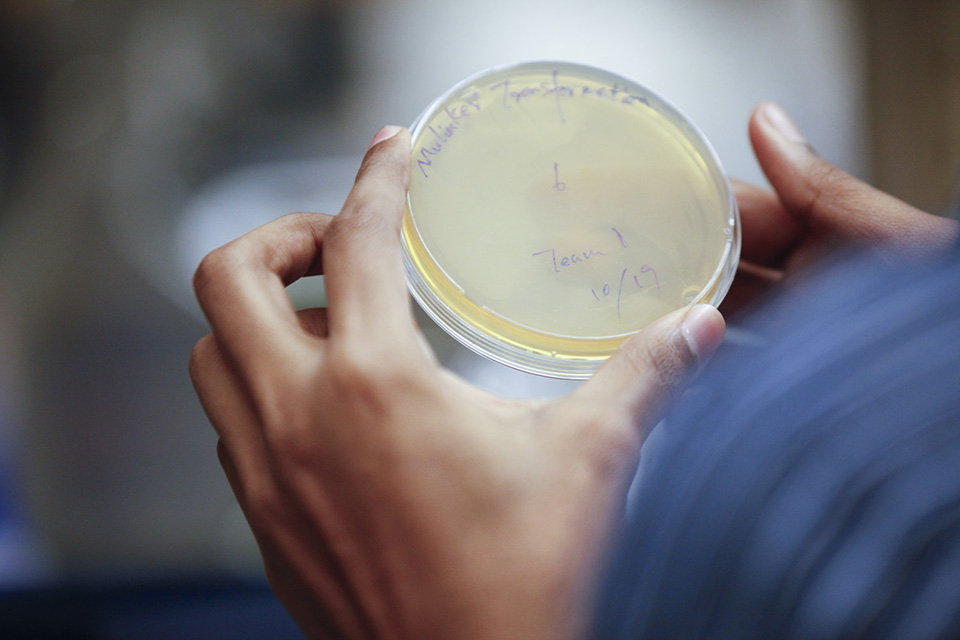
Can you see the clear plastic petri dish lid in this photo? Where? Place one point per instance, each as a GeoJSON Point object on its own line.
{"type": "Point", "coordinates": [555, 209]}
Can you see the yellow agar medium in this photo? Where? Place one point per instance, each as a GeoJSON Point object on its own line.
{"type": "Point", "coordinates": [556, 209]}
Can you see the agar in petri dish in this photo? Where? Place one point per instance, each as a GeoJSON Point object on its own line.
{"type": "Point", "coordinates": [555, 209]}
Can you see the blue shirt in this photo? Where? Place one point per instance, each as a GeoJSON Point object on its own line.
{"type": "Point", "coordinates": [811, 488]}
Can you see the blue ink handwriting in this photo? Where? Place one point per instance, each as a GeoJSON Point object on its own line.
{"type": "Point", "coordinates": [568, 260]}
{"type": "Point", "coordinates": [443, 133]}
{"type": "Point", "coordinates": [445, 125]}
{"type": "Point", "coordinates": [557, 184]}
{"type": "Point", "coordinates": [630, 279]}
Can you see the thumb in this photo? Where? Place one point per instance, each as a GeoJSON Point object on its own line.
{"type": "Point", "coordinates": [650, 368]}
{"type": "Point", "coordinates": [828, 201]}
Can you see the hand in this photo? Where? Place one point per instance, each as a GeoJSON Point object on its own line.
{"type": "Point", "coordinates": [815, 206]}
{"type": "Point", "coordinates": [389, 498]}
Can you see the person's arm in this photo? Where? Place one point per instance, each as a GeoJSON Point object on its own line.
{"type": "Point", "coordinates": [389, 498]}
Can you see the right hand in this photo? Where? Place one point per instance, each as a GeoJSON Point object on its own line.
{"type": "Point", "coordinates": [389, 497]}
{"type": "Point", "coordinates": [814, 206]}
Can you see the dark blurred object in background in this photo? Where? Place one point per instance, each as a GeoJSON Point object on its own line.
{"type": "Point", "coordinates": [200, 609]}
{"type": "Point", "coordinates": [21, 85]}
{"type": "Point", "coordinates": [111, 113]}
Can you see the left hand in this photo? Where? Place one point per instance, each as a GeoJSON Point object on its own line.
{"type": "Point", "coordinates": [813, 208]}
{"type": "Point", "coordinates": [390, 498]}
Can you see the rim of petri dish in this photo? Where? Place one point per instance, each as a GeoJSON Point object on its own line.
{"type": "Point", "coordinates": [523, 346]}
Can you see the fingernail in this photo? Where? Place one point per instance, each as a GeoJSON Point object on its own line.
{"type": "Point", "coordinates": [703, 329]}
{"type": "Point", "coordinates": [386, 132]}
{"type": "Point", "coordinates": [778, 118]}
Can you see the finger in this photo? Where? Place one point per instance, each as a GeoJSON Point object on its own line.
{"type": "Point", "coordinates": [229, 410]}
{"type": "Point", "coordinates": [362, 260]}
{"type": "Point", "coordinates": [262, 495]}
{"type": "Point", "coordinates": [648, 369]}
{"type": "Point", "coordinates": [827, 200]}
{"type": "Point", "coordinates": [768, 232]}
{"type": "Point", "coordinates": [278, 530]}
{"type": "Point", "coordinates": [241, 289]}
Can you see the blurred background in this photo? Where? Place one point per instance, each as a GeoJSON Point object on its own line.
{"type": "Point", "coordinates": [136, 136]}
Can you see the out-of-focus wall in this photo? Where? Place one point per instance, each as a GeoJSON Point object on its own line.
{"type": "Point", "coordinates": [121, 117]}
{"type": "Point", "coordinates": [113, 114]}
{"type": "Point", "coordinates": [914, 88]}
{"type": "Point", "coordinates": [714, 59]}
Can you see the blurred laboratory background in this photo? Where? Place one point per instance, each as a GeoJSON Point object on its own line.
{"type": "Point", "coordinates": [135, 136]}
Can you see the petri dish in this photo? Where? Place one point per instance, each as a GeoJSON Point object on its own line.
{"type": "Point", "coordinates": [555, 209]}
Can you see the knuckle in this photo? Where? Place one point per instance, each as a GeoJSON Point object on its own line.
{"type": "Point", "coordinates": [214, 269]}
{"type": "Point", "coordinates": [200, 355]}
{"type": "Point", "coordinates": [826, 185]}
{"type": "Point", "coordinates": [365, 378]}
{"type": "Point", "coordinates": [285, 411]}
{"type": "Point", "coordinates": [284, 423]}
{"type": "Point", "coordinates": [668, 360]}
{"type": "Point", "coordinates": [254, 491]}
{"type": "Point", "coordinates": [364, 217]}
{"type": "Point", "coordinates": [277, 415]}
{"type": "Point", "coordinates": [341, 229]}
{"type": "Point", "coordinates": [278, 239]}
{"type": "Point", "coordinates": [825, 174]}
{"type": "Point", "coordinates": [386, 164]}
{"type": "Point", "coordinates": [262, 503]}
{"type": "Point", "coordinates": [294, 445]}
